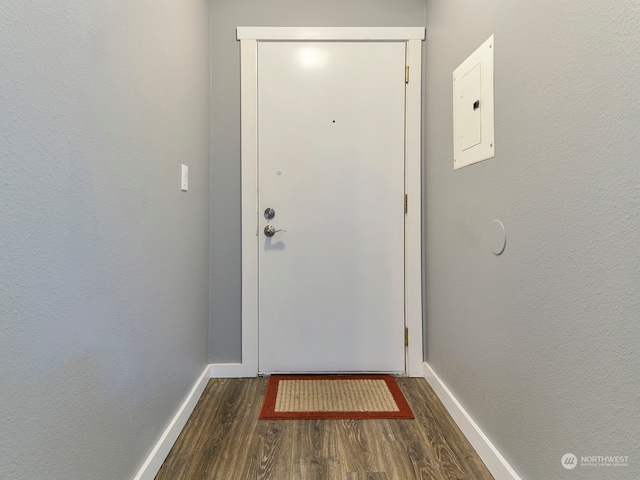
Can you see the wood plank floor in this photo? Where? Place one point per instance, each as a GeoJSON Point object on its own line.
{"type": "Point", "coordinates": [224, 440]}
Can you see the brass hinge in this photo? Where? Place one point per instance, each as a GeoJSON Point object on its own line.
{"type": "Point", "coordinates": [406, 336]}
{"type": "Point", "coordinates": [406, 74]}
{"type": "Point", "coordinates": [406, 203]}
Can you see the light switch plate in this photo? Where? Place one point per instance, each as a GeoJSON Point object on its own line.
{"type": "Point", "coordinates": [184, 177]}
{"type": "Point", "coordinates": [473, 120]}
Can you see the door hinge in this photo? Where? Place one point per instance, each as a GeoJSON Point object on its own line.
{"type": "Point", "coordinates": [406, 336]}
{"type": "Point", "coordinates": [406, 203]}
{"type": "Point", "coordinates": [406, 74]}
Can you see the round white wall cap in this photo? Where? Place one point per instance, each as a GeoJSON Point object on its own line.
{"type": "Point", "coordinates": [497, 237]}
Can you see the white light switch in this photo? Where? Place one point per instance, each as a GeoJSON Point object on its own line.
{"type": "Point", "coordinates": [473, 122]}
{"type": "Point", "coordinates": [184, 177]}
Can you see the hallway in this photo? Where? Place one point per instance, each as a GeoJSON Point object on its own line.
{"type": "Point", "coordinates": [121, 293]}
{"type": "Point", "coordinates": [224, 439]}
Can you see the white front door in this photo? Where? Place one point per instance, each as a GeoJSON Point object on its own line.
{"type": "Point", "coordinates": [331, 149]}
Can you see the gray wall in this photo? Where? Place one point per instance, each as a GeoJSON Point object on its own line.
{"type": "Point", "coordinates": [103, 261]}
{"type": "Point", "coordinates": [542, 344]}
{"type": "Point", "coordinates": [225, 310]}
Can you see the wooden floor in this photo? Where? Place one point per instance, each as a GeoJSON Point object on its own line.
{"type": "Point", "coordinates": [224, 440]}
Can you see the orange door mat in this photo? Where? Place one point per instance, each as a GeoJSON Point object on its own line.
{"type": "Point", "coordinates": [299, 397]}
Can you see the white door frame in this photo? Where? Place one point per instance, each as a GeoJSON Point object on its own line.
{"type": "Point", "coordinates": [249, 38]}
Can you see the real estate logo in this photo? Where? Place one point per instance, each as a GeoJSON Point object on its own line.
{"type": "Point", "coordinates": [569, 461]}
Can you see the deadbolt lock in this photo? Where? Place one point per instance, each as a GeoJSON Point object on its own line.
{"type": "Point", "coordinates": [269, 213]}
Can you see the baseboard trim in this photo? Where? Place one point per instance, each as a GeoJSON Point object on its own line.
{"type": "Point", "coordinates": [154, 461]}
{"type": "Point", "coordinates": [489, 454]}
{"type": "Point", "coordinates": [232, 370]}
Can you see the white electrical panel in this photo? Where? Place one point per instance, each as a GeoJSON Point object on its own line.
{"type": "Point", "coordinates": [473, 122]}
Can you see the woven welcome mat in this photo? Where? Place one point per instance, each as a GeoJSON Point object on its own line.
{"type": "Point", "coordinates": [297, 397]}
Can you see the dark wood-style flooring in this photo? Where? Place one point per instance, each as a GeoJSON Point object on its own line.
{"type": "Point", "coordinates": [224, 440]}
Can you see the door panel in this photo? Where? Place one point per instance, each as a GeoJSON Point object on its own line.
{"type": "Point", "coordinates": [331, 165]}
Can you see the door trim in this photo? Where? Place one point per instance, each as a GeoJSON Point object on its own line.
{"type": "Point", "coordinates": [402, 34]}
{"type": "Point", "coordinates": [249, 38]}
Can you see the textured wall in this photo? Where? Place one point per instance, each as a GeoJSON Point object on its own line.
{"type": "Point", "coordinates": [225, 310]}
{"type": "Point", "coordinates": [103, 261]}
{"type": "Point", "coordinates": [541, 344]}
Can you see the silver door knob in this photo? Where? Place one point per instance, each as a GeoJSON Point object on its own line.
{"type": "Point", "coordinates": [270, 230]}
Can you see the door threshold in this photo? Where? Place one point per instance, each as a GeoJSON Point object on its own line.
{"type": "Point", "coordinates": [372, 372]}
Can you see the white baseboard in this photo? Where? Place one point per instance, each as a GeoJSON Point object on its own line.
{"type": "Point", "coordinates": [495, 462]}
{"type": "Point", "coordinates": [232, 370]}
{"type": "Point", "coordinates": [157, 456]}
